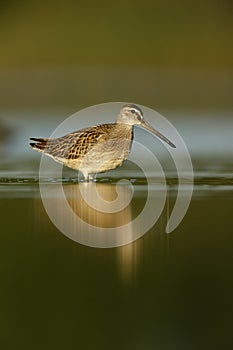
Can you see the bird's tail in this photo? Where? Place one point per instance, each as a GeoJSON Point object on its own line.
{"type": "Point", "coordinates": [39, 144]}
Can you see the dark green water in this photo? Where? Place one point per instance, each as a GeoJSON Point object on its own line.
{"type": "Point", "coordinates": [160, 292]}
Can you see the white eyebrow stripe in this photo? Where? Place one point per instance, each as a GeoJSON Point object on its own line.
{"type": "Point", "coordinates": [136, 111]}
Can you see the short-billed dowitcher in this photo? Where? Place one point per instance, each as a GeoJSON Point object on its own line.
{"type": "Point", "coordinates": [99, 148]}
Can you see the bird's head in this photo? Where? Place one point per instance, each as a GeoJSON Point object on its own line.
{"type": "Point", "coordinates": [132, 115]}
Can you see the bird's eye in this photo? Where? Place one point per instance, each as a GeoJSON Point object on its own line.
{"type": "Point", "coordinates": [133, 111]}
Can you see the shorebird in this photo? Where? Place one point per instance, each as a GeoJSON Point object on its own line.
{"type": "Point", "coordinates": [99, 148]}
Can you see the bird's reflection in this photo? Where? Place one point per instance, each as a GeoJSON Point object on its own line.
{"type": "Point", "coordinates": [127, 256]}
{"type": "Point", "coordinates": [81, 200]}
{"type": "Point", "coordinates": [88, 203]}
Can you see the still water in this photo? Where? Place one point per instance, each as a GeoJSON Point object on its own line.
{"type": "Point", "coordinates": [159, 292]}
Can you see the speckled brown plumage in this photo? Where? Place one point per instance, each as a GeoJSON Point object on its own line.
{"type": "Point", "coordinates": [98, 148]}
{"type": "Point", "coordinates": [88, 146]}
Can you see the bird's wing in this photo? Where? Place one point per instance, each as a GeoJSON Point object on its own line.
{"type": "Point", "coordinates": [74, 145]}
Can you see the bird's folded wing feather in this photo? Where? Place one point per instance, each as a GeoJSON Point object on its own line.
{"type": "Point", "coordinates": [73, 145]}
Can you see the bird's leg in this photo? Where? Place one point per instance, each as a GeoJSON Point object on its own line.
{"type": "Point", "coordinates": [90, 177]}
{"type": "Point", "coordinates": [87, 177]}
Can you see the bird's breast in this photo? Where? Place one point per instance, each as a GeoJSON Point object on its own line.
{"type": "Point", "coordinates": [109, 152]}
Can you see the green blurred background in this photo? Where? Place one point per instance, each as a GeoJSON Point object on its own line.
{"type": "Point", "coordinates": [159, 292]}
{"type": "Point", "coordinates": [175, 54]}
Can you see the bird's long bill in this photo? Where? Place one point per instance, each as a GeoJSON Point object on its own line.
{"type": "Point", "coordinates": [157, 133]}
